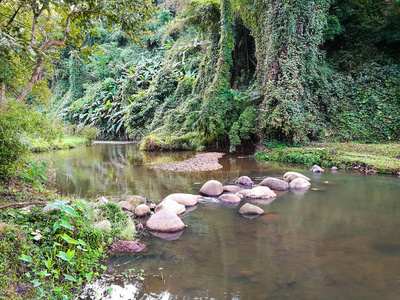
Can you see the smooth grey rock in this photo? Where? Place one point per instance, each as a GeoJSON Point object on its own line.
{"type": "Point", "coordinates": [289, 176]}
{"type": "Point", "coordinates": [299, 183]}
{"type": "Point", "coordinates": [165, 220]}
{"type": "Point", "coordinates": [244, 181]}
{"type": "Point", "coordinates": [172, 205]}
{"type": "Point", "coordinates": [230, 199]}
{"type": "Point", "coordinates": [232, 188]}
{"type": "Point", "coordinates": [126, 205]}
{"type": "Point", "coordinates": [275, 184]}
{"type": "Point", "coordinates": [184, 199]}
{"type": "Point", "coordinates": [316, 169]}
{"type": "Point", "coordinates": [212, 188]}
{"type": "Point", "coordinates": [260, 192]}
{"type": "Point", "coordinates": [250, 209]}
{"type": "Point", "coordinates": [142, 210]}
{"type": "Point", "coordinates": [334, 169]}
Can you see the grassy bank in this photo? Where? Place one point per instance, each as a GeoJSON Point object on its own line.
{"type": "Point", "coordinates": [67, 142]}
{"type": "Point", "coordinates": [369, 158]}
{"type": "Point", "coordinates": [52, 255]}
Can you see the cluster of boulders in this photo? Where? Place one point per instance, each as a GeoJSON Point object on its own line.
{"type": "Point", "coordinates": [165, 217]}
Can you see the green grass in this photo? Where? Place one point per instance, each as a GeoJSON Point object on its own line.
{"type": "Point", "coordinates": [52, 255]}
{"type": "Point", "coordinates": [67, 142]}
{"type": "Point", "coordinates": [370, 158]}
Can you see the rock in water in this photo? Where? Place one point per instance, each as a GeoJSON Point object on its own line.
{"type": "Point", "coordinates": [184, 199]}
{"type": "Point", "coordinates": [316, 169]}
{"type": "Point", "coordinates": [172, 205]}
{"type": "Point", "coordinates": [232, 188]}
{"type": "Point", "coordinates": [289, 176]}
{"type": "Point", "coordinates": [334, 169]}
{"type": "Point", "coordinates": [142, 210]}
{"type": "Point", "coordinates": [165, 220]}
{"type": "Point", "coordinates": [212, 188]}
{"type": "Point", "coordinates": [229, 199]}
{"type": "Point", "coordinates": [250, 209]}
{"type": "Point", "coordinates": [244, 181]}
{"type": "Point", "coordinates": [299, 183]}
{"type": "Point", "coordinates": [260, 192]}
{"type": "Point", "coordinates": [127, 247]}
{"type": "Point", "coordinates": [275, 184]}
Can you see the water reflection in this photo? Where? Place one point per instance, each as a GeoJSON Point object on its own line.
{"type": "Point", "coordinates": [340, 241]}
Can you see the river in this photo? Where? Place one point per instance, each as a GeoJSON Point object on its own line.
{"type": "Point", "coordinates": [339, 241]}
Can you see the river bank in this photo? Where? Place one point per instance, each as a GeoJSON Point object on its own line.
{"type": "Point", "coordinates": [366, 158]}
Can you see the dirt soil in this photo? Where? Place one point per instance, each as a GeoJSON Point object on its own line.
{"type": "Point", "coordinates": [201, 162]}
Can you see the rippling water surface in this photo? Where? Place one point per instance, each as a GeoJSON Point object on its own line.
{"type": "Point", "coordinates": [340, 242]}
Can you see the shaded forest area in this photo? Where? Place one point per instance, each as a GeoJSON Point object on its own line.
{"type": "Point", "coordinates": [228, 74]}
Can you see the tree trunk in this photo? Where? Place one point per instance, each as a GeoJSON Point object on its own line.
{"type": "Point", "coordinates": [32, 81]}
{"type": "Point", "coordinates": [3, 92]}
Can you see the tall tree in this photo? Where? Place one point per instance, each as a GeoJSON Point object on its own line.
{"type": "Point", "coordinates": [33, 29]}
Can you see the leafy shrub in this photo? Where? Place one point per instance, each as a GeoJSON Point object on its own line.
{"type": "Point", "coordinates": [89, 133]}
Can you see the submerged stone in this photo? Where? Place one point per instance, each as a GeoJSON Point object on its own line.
{"type": "Point", "coordinates": [316, 169]}
{"type": "Point", "coordinates": [250, 209]}
{"type": "Point", "coordinates": [127, 247]}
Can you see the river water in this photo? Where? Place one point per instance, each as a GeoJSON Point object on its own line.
{"type": "Point", "coordinates": [341, 241]}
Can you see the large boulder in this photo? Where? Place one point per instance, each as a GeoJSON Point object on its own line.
{"type": "Point", "coordinates": [299, 184]}
{"type": "Point", "coordinates": [260, 192]}
{"type": "Point", "coordinates": [229, 199]}
{"type": "Point", "coordinates": [212, 188]}
{"type": "Point", "coordinates": [165, 220]}
{"type": "Point", "coordinates": [142, 210]}
{"type": "Point", "coordinates": [172, 205]}
{"type": "Point", "coordinates": [275, 184]}
{"type": "Point", "coordinates": [244, 181]}
{"type": "Point", "coordinates": [316, 169]}
{"type": "Point", "coordinates": [184, 199]}
{"type": "Point", "coordinates": [250, 209]}
{"type": "Point", "coordinates": [232, 188]}
{"type": "Point", "coordinates": [289, 176]}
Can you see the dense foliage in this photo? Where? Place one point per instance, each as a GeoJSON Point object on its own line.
{"type": "Point", "coordinates": [231, 74]}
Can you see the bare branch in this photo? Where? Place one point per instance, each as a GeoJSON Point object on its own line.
{"type": "Point", "coordinates": [22, 204]}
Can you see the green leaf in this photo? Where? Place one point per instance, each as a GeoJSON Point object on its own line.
{"type": "Point", "coordinates": [63, 256]}
{"type": "Point", "coordinates": [65, 223]}
{"type": "Point", "coordinates": [25, 258]}
{"type": "Point", "coordinates": [68, 210]}
{"type": "Point", "coordinates": [69, 277]}
{"type": "Point", "coordinates": [69, 240]}
{"type": "Point", "coordinates": [35, 282]}
{"type": "Point", "coordinates": [57, 289]}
